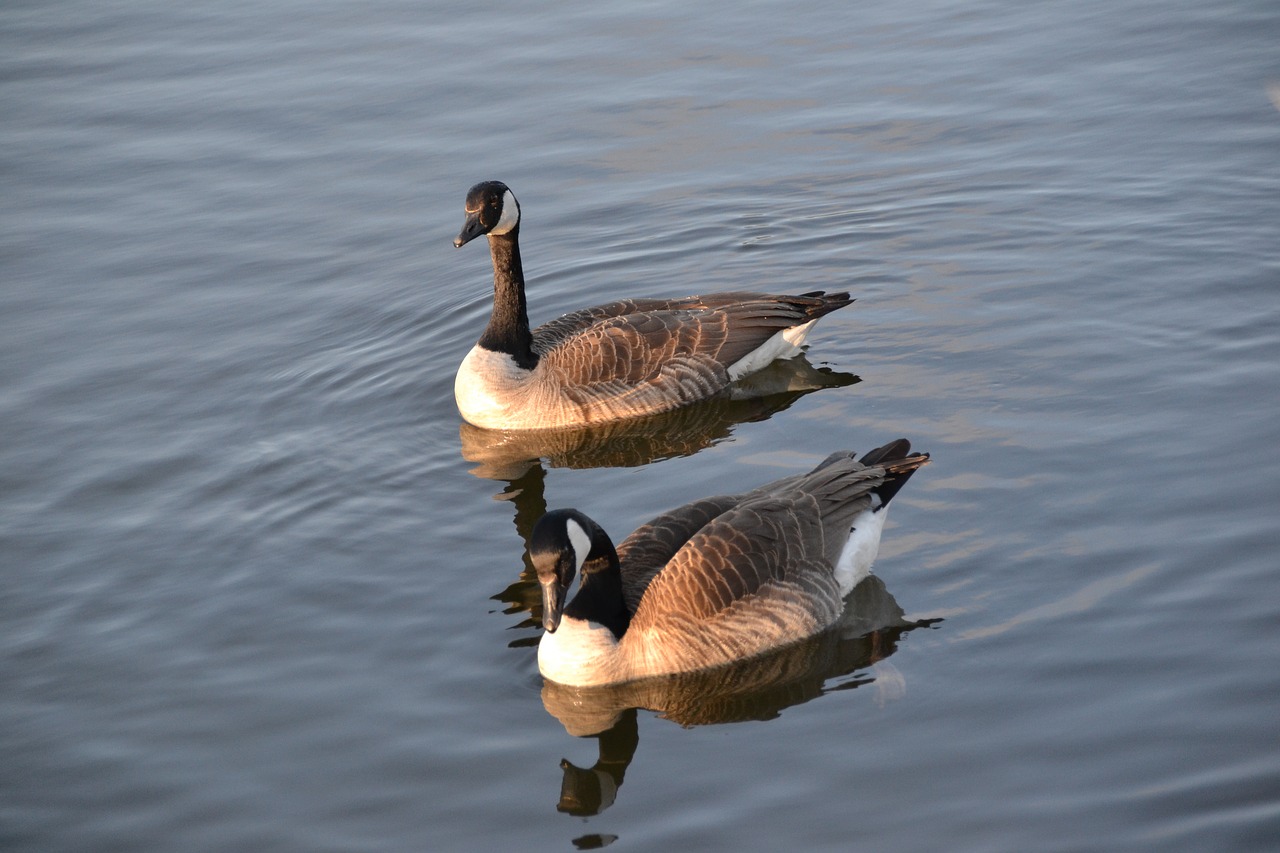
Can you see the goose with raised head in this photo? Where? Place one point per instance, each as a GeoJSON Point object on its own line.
{"type": "Point", "coordinates": [622, 359]}
{"type": "Point", "coordinates": [719, 580]}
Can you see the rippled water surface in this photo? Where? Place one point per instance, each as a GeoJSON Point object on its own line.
{"type": "Point", "coordinates": [258, 593]}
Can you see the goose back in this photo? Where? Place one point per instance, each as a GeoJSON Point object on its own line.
{"type": "Point", "coordinates": [648, 549]}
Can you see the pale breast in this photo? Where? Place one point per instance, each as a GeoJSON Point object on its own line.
{"type": "Point", "coordinates": [493, 392]}
{"type": "Point", "coordinates": [581, 653]}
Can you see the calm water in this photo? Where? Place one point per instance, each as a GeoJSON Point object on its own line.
{"type": "Point", "coordinates": [258, 593]}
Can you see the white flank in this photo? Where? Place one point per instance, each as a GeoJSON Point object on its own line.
{"type": "Point", "coordinates": [784, 344]}
{"type": "Point", "coordinates": [860, 551]}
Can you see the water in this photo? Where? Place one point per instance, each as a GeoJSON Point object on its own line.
{"type": "Point", "coordinates": [258, 594]}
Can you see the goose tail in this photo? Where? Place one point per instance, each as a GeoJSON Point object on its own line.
{"type": "Point", "coordinates": [898, 462]}
{"type": "Point", "coordinates": [824, 303]}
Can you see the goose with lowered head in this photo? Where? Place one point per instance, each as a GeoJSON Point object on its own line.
{"type": "Point", "coordinates": [719, 580]}
{"type": "Point", "coordinates": [622, 359]}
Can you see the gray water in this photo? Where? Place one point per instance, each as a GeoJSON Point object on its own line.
{"type": "Point", "coordinates": [258, 593]}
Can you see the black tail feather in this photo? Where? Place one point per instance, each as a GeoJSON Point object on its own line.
{"type": "Point", "coordinates": [899, 464]}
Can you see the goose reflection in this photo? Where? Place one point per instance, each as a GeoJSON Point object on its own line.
{"type": "Point", "coordinates": [510, 454]}
{"type": "Point", "coordinates": [527, 493]}
{"type": "Point", "coordinates": [757, 689]}
{"type": "Point", "coordinates": [587, 791]}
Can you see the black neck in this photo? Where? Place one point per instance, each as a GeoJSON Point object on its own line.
{"type": "Point", "coordinates": [599, 598]}
{"type": "Point", "coordinates": [508, 329]}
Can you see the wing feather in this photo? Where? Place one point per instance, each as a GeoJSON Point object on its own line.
{"type": "Point", "coordinates": [756, 576]}
{"type": "Point", "coordinates": [765, 542]}
{"type": "Point", "coordinates": [631, 339]}
{"type": "Point", "coordinates": [649, 547]}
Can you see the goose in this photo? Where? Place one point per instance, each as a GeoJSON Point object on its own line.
{"type": "Point", "coordinates": [622, 359]}
{"type": "Point", "coordinates": [716, 581]}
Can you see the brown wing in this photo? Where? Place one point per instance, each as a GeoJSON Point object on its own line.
{"type": "Point", "coordinates": [724, 326]}
{"type": "Point", "coordinates": [650, 546]}
{"type": "Point", "coordinates": [767, 540]}
{"type": "Point", "coordinates": [703, 557]}
{"type": "Point", "coordinates": [549, 334]}
{"type": "Point", "coordinates": [759, 575]}
{"type": "Point", "coordinates": [753, 579]}
{"type": "Point", "coordinates": [653, 360]}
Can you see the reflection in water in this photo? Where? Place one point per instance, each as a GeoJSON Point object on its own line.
{"type": "Point", "coordinates": [527, 493]}
{"type": "Point", "coordinates": [503, 455]}
{"type": "Point", "coordinates": [758, 689]}
{"type": "Point", "coordinates": [585, 792]}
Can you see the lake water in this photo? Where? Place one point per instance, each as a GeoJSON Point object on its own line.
{"type": "Point", "coordinates": [262, 592]}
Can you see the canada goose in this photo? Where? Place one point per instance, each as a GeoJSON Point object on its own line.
{"type": "Point", "coordinates": [622, 359]}
{"type": "Point", "coordinates": [715, 581]}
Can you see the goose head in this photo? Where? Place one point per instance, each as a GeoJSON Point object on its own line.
{"type": "Point", "coordinates": [491, 209]}
{"type": "Point", "coordinates": [566, 543]}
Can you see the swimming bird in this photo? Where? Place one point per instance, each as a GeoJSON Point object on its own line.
{"type": "Point", "coordinates": [622, 359]}
{"type": "Point", "coordinates": [716, 581]}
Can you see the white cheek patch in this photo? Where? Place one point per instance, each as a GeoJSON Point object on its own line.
{"type": "Point", "coordinates": [510, 215]}
{"type": "Point", "coordinates": [581, 543]}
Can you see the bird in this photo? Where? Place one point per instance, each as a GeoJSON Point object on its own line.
{"type": "Point", "coordinates": [716, 581]}
{"type": "Point", "coordinates": [623, 359]}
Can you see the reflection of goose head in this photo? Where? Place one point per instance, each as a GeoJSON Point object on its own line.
{"type": "Point", "coordinates": [585, 792]}
{"type": "Point", "coordinates": [589, 791]}
{"type": "Point", "coordinates": [507, 454]}
{"type": "Point", "coordinates": [717, 581]}
{"type": "Point", "coordinates": [624, 359]}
